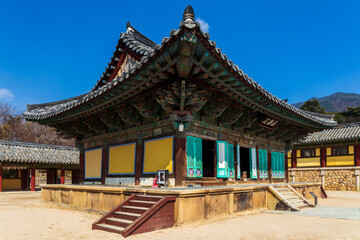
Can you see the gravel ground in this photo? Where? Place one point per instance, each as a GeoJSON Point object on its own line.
{"type": "Point", "coordinates": [24, 216]}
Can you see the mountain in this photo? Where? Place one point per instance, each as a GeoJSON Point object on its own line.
{"type": "Point", "coordinates": [336, 102]}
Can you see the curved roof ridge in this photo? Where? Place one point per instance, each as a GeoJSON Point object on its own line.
{"type": "Point", "coordinates": [322, 115]}
{"type": "Point", "coordinates": [347, 133]}
{"type": "Point", "coordinates": [33, 106]}
{"type": "Point", "coordinates": [139, 36]}
{"type": "Point", "coordinates": [30, 144]}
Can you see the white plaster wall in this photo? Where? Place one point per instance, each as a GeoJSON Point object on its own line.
{"type": "Point", "coordinates": [123, 181]}
{"type": "Point", "coordinates": [146, 181]}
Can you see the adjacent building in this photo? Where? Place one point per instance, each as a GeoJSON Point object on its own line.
{"type": "Point", "coordinates": [19, 160]}
{"type": "Point", "coordinates": [183, 106]}
{"type": "Point", "coordinates": [331, 156]}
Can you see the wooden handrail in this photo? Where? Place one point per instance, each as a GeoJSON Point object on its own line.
{"type": "Point", "coordinates": [110, 213]}
{"type": "Point", "coordinates": [147, 214]}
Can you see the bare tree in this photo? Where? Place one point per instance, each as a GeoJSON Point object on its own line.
{"type": "Point", "coordinates": [13, 127]}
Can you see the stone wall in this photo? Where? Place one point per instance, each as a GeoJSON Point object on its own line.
{"type": "Point", "coordinates": [332, 178]}
{"type": "Point", "coordinates": [40, 176]}
{"type": "Point", "coordinates": [312, 176]}
{"type": "Point", "coordinates": [340, 180]}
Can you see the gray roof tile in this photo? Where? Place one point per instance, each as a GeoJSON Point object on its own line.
{"type": "Point", "coordinates": [21, 152]}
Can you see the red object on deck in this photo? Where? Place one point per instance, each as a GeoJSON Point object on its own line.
{"type": "Point", "coordinates": [62, 179]}
{"type": "Point", "coordinates": [33, 179]}
{"type": "Point", "coordinates": [0, 179]}
{"type": "Point", "coordinates": [155, 182]}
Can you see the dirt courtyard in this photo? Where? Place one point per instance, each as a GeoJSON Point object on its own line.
{"type": "Point", "coordinates": [24, 216]}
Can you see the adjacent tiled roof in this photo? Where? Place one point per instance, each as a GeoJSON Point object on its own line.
{"type": "Point", "coordinates": [340, 134]}
{"type": "Point", "coordinates": [137, 43]}
{"type": "Point", "coordinates": [132, 40]}
{"type": "Point", "coordinates": [21, 152]}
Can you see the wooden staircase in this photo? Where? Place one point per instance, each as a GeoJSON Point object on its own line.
{"type": "Point", "coordinates": [289, 198]}
{"type": "Point", "coordinates": [138, 214]}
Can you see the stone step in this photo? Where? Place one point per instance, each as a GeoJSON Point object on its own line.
{"type": "Point", "coordinates": [126, 215]}
{"type": "Point", "coordinates": [283, 189]}
{"type": "Point", "coordinates": [141, 203]}
{"type": "Point", "coordinates": [150, 196]}
{"type": "Point", "coordinates": [129, 214]}
{"type": "Point", "coordinates": [120, 220]}
{"type": "Point", "coordinates": [292, 198]}
{"type": "Point", "coordinates": [110, 228]}
{"type": "Point", "coordinates": [138, 201]}
{"type": "Point", "coordinates": [135, 207]}
{"type": "Point", "coordinates": [296, 202]}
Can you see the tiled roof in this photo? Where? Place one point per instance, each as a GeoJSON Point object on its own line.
{"type": "Point", "coordinates": [20, 152]}
{"type": "Point", "coordinates": [135, 42]}
{"type": "Point", "coordinates": [339, 134]}
{"type": "Point", "coordinates": [44, 111]}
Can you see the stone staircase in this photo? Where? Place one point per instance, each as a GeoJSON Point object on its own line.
{"type": "Point", "coordinates": [138, 214]}
{"type": "Point", "coordinates": [290, 199]}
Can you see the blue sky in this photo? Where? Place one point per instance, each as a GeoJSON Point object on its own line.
{"type": "Point", "coordinates": [53, 50]}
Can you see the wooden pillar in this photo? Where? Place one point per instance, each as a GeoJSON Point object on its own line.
{"type": "Point", "coordinates": [104, 161]}
{"type": "Point", "coordinates": [257, 162]}
{"type": "Point", "coordinates": [75, 176]}
{"type": "Point", "coordinates": [269, 163]}
{"type": "Point", "coordinates": [62, 178]}
{"type": "Point", "coordinates": [357, 154]}
{"type": "Point", "coordinates": [24, 178]}
{"type": "Point", "coordinates": [180, 158]}
{"type": "Point", "coordinates": [323, 156]}
{"type": "Point", "coordinates": [1, 171]}
{"type": "Point", "coordinates": [139, 159]}
{"type": "Point", "coordinates": [32, 179]}
{"type": "Point", "coordinates": [286, 164]}
{"type": "Point", "coordinates": [293, 158]}
{"type": "Point", "coordinates": [82, 165]}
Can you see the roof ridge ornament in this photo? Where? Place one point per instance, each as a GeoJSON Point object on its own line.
{"type": "Point", "coordinates": [129, 28]}
{"type": "Point", "coordinates": [188, 18]}
{"type": "Point", "coordinates": [189, 13]}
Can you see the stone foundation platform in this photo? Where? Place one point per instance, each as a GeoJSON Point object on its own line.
{"type": "Point", "coordinates": [192, 204]}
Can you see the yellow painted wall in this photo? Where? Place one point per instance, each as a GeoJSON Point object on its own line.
{"type": "Point", "coordinates": [122, 159]}
{"type": "Point", "coordinates": [308, 162]}
{"type": "Point", "coordinates": [340, 160]}
{"type": "Point", "coordinates": [158, 154]}
{"type": "Point", "coordinates": [328, 151]}
{"type": "Point", "coordinates": [93, 163]}
{"type": "Point", "coordinates": [298, 153]}
{"type": "Point", "coordinates": [351, 149]}
{"type": "Point", "coordinates": [317, 152]}
{"type": "Point", "coordinates": [11, 184]}
{"type": "Point", "coordinates": [289, 162]}
{"type": "Point", "coordinates": [289, 154]}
